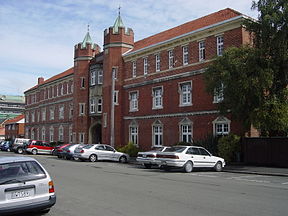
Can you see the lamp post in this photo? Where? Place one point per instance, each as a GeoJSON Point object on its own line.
{"type": "Point", "coordinates": [112, 133]}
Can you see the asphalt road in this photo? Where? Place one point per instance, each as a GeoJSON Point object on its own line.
{"type": "Point", "coordinates": [108, 189]}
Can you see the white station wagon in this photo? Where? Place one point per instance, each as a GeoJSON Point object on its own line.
{"type": "Point", "coordinates": [188, 157]}
{"type": "Point", "coordinates": [25, 186]}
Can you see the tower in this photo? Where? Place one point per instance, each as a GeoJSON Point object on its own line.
{"type": "Point", "coordinates": [117, 40]}
{"type": "Point", "coordinates": [83, 53]}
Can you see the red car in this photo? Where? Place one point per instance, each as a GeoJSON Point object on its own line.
{"type": "Point", "coordinates": [39, 147]}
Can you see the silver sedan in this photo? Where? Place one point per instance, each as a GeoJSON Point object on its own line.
{"type": "Point", "coordinates": [95, 152]}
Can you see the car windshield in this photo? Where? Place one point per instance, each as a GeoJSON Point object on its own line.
{"type": "Point", "coordinates": [175, 149]}
{"type": "Point", "coordinates": [87, 146]}
{"type": "Point", "coordinates": [20, 172]}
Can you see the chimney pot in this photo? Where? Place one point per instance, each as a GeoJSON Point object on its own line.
{"type": "Point", "coordinates": [40, 80]}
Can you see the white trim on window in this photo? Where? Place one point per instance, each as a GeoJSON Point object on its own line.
{"type": "Point", "coordinates": [157, 97]}
{"type": "Point", "coordinates": [202, 50]}
{"type": "Point", "coordinates": [221, 126]}
{"type": "Point", "coordinates": [185, 93]}
{"type": "Point", "coordinates": [157, 62]}
{"type": "Point", "coordinates": [185, 55]}
{"type": "Point", "coordinates": [134, 71]}
{"type": "Point", "coordinates": [157, 133]}
{"type": "Point", "coordinates": [170, 59]}
{"type": "Point", "coordinates": [145, 65]}
{"type": "Point", "coordinates": [220, 45]}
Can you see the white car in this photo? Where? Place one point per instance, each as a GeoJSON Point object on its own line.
{"type": "Point", "coordinates": [147, 159]}
{"type": "Point", "coordinates": [188, 157]}
{"type": "Point", "coordinates": [25, 186]}
{"type": "Point", "coordinates": [95, 152]}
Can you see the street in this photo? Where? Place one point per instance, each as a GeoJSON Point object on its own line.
{"type": "Point", "coordinates": [106, 188]}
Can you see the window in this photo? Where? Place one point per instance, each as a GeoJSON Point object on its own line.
{"type": "Point", "coordinates": [134, 73]}
{"type": "Point", "coordinates": [185, 55]}
{"type": "Point", "coordinates": [61, 112]}
{"type": "Point", "coordinates": [219, 94]}
{"type": "Point", "coordinates": [27, 117]}
{"type": "Point", "coordinates": [82, 84]}
{"type": "Point", "coordinates": [133, 101]}
{"type": "Point", "coordinates": [186, 133]}
{"type": "Point", "coordinates": [44, 114]}
{"type": "Point", "coordinates": [70, 134]}
{"type": "Point", "coordinates": [70, 111]}
{"type": "Point", "coordinates": [51, 113]}
{"type": "Point", "coordinates": [92, 105]}
{"type": "Point", "coordinates": [185, 94]}
{"type": "Point", "coordinates": [99, 105]}
{"type": "Point", "coordinates": [171, 58]}
{"type": "Point", "coordinates": [61, 89]}
{"type": "Point", "coordinates": [157, 139]}
{"type": "Point", "coordinates": [33, 116]}
{"type": "Point", "coordinates": [157, 59]}
{"type": "Point", "coordinates": [201, 50]}
{"type": "Point", "coordinates": [51, 134]}
{"type": "Point", "coordinates": [81, 109]}
{"type": "Point", "coordinates": [100, 76]}
{"type": "Point", "coordinates": [221, 126]}
{"type": "Point", "coordinates": [81, 138]}
{"type": "Point", "coordinates": [145, 64]}
{"type": "Point", "coordinates": [38, 116]}
{"type": "Point", "coordinates": [33, 133]}
{"type": "Point", "coordinates": [220, 45]}
{"type": "Point", "coordinates": [92, 78]}
{"type": "Point", "coordinates": [116, 93]}
{"type": "Point", "coordinates": [60, 134]}
{"type": "Point", "coordinates": [157, 98]}
{"type": "Point", "coordinates": [104, 120]}
{"type": "Point", "coordinates": [133, 133]}
{"type": "Point", "coordinates": [43, 131]}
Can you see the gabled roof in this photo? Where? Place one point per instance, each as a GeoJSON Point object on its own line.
{"type": "Point", "coordinates": [17, 119]}
{"type": "Point", "coordinates": [58, 76]}
{"type": "Point", "coordinates": [202, 22]}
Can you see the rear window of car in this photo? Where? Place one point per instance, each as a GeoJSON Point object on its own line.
{"type": "Point", "coordinates": [20, 172]}
{"type": "Point", "coordinates": [175, 149]}
{"type": "Point", "coordinates": [87, 146]}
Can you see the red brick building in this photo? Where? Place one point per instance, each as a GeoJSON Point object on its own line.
{"type": "Point", "coordinates": [150, 91]}
{"type": "Point", "coordinates": [14, 128]}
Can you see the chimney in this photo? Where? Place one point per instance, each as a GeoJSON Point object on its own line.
{"type": "Point", "coordinates": [40, 80]}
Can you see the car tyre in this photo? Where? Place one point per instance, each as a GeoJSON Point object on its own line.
{"type": "Point", "coordinates": [93, 158]}
{"type": "Point", "coordinates": [20, 151]}
{"type": "Point", "coordinates": [45, 211]}
{"type": "Point", "coordinates": [147, 166]}
{"type": "Point", "coordinates": [218, 167]}
{"type": "Point", "coordinates": [34, 151]}
{"type": "Point", "coordinates": [123, 159]}
{"type": "Point", "coordinates": [188, 167]}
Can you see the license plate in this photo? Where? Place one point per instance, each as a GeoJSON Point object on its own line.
{"type": "Point", "coordinates": [20, 194]}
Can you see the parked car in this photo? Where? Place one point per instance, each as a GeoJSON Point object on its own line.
{"type": "Point", "coordinates": [6, 146]}
{"type": "Point", "coordinates": [68, 151]}
{"type": "Point", "coordinates": [95, 152]}
{"type": "Point", "coordinates": [25, 186]}
{"type": "Point", "coordinates": [58, 149]}
{"type": "Point", "coordinates": [18, 145]}
{"type": "Point", "coordinates": [147, 159]}
{"type": "Point", "coordinates": [188, 157]}
{"type": "Point", "coordinates": [39, 147]}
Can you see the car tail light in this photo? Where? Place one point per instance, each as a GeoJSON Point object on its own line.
{"type": "Point", "coordinates": [151, 156]}
{"type": "Point", "coordinates": [68, 151]}
{"type": "Point", "coordinates": [82, 151]}
{"type": "Point", "coordinates": [168, 156]}
{"type": "Point", "coordinates": [51, 187]}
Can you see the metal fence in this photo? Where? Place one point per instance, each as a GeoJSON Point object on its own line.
{"type": "Point", "coordinates": [265, 151]}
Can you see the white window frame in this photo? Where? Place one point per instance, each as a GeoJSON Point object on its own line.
{"type": "Point", "coordinates": [99, 105]}
{"type": "Point", "coordinates": [145, 65]}
{"type": "Point", "coordinates": [220, 45]}
{"type": "Point", "coordinates": [133, 133]}
{"type": "Point", "coordinates": [186, 132]}
{"type": "Point", "coordinates": [157, 97]}
{"type": "Point", "coordinates": [81, 138]}
{"type": "Point", "coordinates": [185, 93]}
{"type": "Point", "coordinates": [82, 82]}
{"type": "Point", "coordinates": [70, 134]}
{"type": "Point", "coordinates": [185, 55]}
{"type": "Point", "coordinates": [170, 59]}
{"type": "Point", "coordinates": [61, 112]}
{"type": "Point", "coordinates": [61, 133]}
{"type": "Point", "coordinates": [221, 126]}
{"type": "Point", "coordinates": [116, 97]}
{"type": "Point", "coordinates": [71, 111]}
{"type": "Point", "coordinates": [157, 62]}
{"type": "Point", "coordinates": [92, 105]}
{"type": "Point", "coordinates": [52, 113]}
{"type": "Point", "coordinates": [134, 69]}
{"type": "Point", "coordinates": [100, 76]}
{"type": "Point", "coordinates": [43, 114]}
{"type": "Point", "coordinates": [218, 94]}
{"type": "Point", "coordinates": [157, 134]}
{"type": "Point", "coordinates": [51, 134]}
{"type": "Point", "coordinates": [92, 77]}
{"type": "Point", "coordinates": [81, 109]}
{"type": "Point", "coordinates": [202, 54]}
{"type": "Point", "coordinates": [133, 103]}
{"type": "Point", "coordinates": [43, 134]}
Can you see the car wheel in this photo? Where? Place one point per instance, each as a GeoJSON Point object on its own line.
{"type": "Point", "coordinates": [34, 151]}
{"type": "Point", "coordinates": [123, 159]}
{"type": "Point", "coordinates": [218, 167]}
{"type": "Point", "coordinates": [188, 167]}
{"type": "Point", "coordinates": [20, 151]}
{"type": "Point", "coordinates": [93, 158]}
{"type": "Point", "coordinates": [147, 166]}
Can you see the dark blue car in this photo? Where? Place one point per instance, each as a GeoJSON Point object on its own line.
{"type": "Point", "coordinates": [6, 146]}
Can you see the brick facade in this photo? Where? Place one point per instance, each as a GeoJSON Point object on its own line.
{"type": "Point", "coordinates": [152, 106]}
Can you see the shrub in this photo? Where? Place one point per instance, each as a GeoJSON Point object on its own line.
{"type": "Point", "coordinates": [208, 142]}
{"type": "Point", "coordinates": [228, 147]}
{"type": "Point", "coordinates": [130, 149]}
{"type": "Point", "coordinates": [183, 144]}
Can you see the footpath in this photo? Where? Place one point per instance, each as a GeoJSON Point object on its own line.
{"type": "Point", "coordinates": [258, 170]}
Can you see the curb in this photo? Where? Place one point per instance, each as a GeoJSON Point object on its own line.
{"type": "Point", "coordinates": [256, 173]}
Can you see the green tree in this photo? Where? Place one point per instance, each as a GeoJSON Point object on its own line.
{"type": "Point", "coordinates": [255, 78]}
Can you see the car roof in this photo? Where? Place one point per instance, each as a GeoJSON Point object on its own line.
{"type": "Point", "coordinates": [11, 159]}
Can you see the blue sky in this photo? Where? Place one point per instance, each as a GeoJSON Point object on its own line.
{"type": "Point", "coordinates": [37, 36]}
